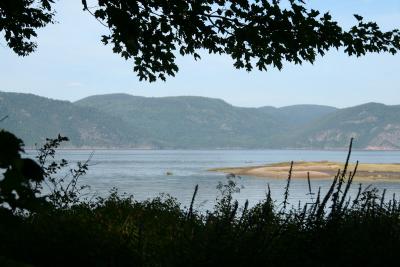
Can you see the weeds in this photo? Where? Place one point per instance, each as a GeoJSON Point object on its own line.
{"type": "Point", "coordinates": [329, 230]}
{"type": "Point", "coordinates": [60, 180]}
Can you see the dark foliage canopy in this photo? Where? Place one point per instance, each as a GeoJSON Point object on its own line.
{"type": "Point", "coordinates": [20, 174]}
{"type": "Point", "coordinates": [19, 20]}
{"type": "Point", "coordinates": [260, 33]}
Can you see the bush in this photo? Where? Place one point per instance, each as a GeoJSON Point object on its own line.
{"type": "Point", "coordinates": [17, 188]}
{"type": "Point", "coordinates": [119, 231]}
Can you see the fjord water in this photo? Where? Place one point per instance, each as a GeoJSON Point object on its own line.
{"type": "Point", "coordinates": [148, 173]}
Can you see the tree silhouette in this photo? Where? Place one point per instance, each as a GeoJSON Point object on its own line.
{"type": "Point", "coordinates": [259, 33]}
{"type": "Point", "coordinates": [17, 186]}
{"type": "Point", "coordinates": [19, 20]}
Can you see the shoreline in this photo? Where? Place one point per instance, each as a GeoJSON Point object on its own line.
{"type": "Point", "coordinates": [318, 170]}
{"type": "Point", "coordinates": [222, 149]}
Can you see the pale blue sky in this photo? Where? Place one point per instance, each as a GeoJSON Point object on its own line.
{"type": "Point", "coordinates": [71, 63]}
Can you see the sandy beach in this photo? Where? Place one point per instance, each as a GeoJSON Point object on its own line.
{"type": "Point", "coordinates": [318, 170]}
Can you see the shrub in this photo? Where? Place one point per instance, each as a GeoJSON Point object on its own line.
{"type": "Point", "coordinates": [116, 230]}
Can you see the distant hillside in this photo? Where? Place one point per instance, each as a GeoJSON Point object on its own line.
{"type": "Point", "coordinates": [373, 125]}
{"type": "Point", "coordinates": [199, 122]}
{"type": "Point", "coordinates": [299, 115]}
{"type": "Point", "coordinates": [126, 121]}
{"type": "Point", "coordinates": [190, 122]}
{"type": "Point", "coordinates": [34, 118]}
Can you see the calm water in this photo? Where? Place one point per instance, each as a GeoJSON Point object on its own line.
{"type": "Point", "coordinates": [142, 173]}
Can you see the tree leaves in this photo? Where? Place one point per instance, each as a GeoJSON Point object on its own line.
{"type": "Point", "coordinates": [259, 34]}
{"type": "Point", "coordinates": [17, 184]}
{"type": "Point", "coordinates": [19, 20]}
{"type": "Point", "coordinates": [252, 33]}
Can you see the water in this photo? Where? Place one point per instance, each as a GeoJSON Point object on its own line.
{"type": "Point", "coordinates": [142, 173]}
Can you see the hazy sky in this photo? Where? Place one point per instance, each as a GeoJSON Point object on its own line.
{"type": "Point", "coordinates": [71, 63]}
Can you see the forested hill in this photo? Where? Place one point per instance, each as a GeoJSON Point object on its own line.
{"type": "Point", "coordinates": [373, 125]}
{"type": "Point", "coordinates": [126, 121]}
{"type": "Point", "coordinates": [33, 118]}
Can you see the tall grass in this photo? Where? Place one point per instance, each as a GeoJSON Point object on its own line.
{"type": "Point", "coordinates": [330, 230]}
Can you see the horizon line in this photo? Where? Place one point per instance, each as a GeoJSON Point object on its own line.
{"type": "Point", "coordinates": [197, 96]}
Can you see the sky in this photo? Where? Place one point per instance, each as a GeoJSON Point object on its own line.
{"type": "Point", "coordinates": [72, 63]}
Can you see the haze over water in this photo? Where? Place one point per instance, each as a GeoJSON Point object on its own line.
{"type": "Point", "coordinates": [143, 173]}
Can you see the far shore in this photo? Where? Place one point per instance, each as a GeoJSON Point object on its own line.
{"type": "Point", "coordinates": [218, 149]}
{"type": "Point", "coordinates": [318, 170]}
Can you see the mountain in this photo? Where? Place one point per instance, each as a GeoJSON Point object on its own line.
{"type": "Point", "coordinates": [298, 115]}
{"type": "Point", "coordinates": [196, 122]}
{"type": "Point", "coordinates": [126, 121]}
{"type": "Point", "coordinates": [373, 125]}
{"type": "Point", "coordinates": [199, 122]}
{"type": "Point", "coordinates": [33, 118]}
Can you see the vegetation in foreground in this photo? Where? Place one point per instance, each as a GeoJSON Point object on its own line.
{"type": "Point", "coordinates": [57, 228]}
{"type": "Point", "coordinates": [319, 170]}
